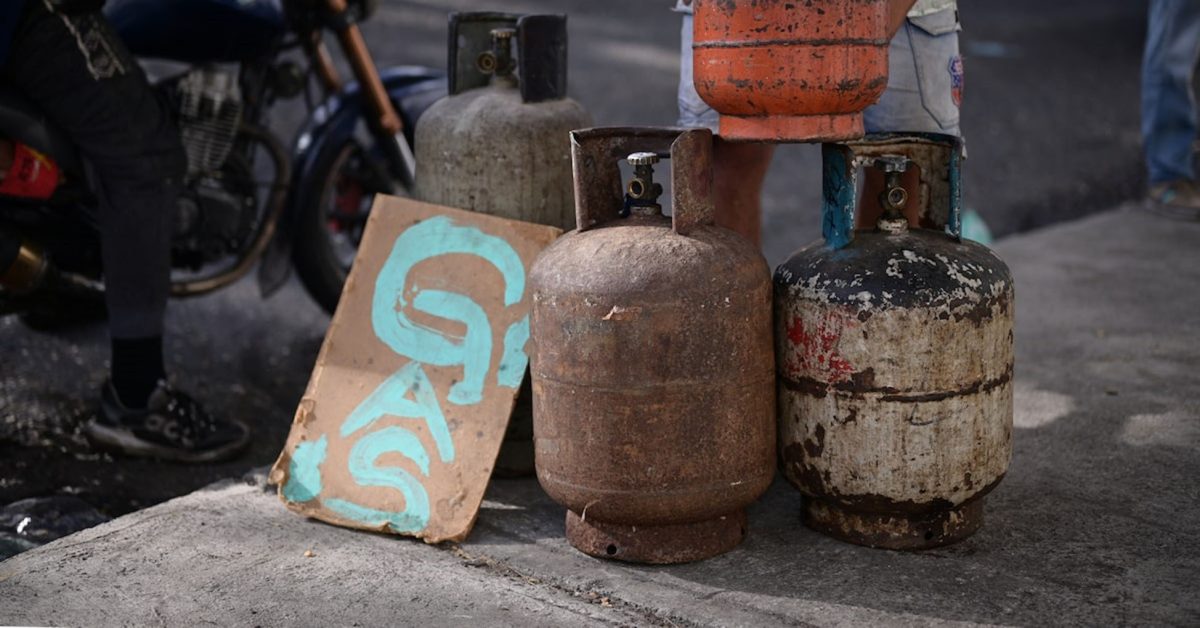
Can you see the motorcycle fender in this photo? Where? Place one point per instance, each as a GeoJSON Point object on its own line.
{"type": "Point", "coordinates": [22, 121]}
{"type": "Point", "coordinates": [412, 90]}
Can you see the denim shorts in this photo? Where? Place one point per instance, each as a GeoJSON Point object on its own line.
{"type": "Point", "coordinates": [925, 80]}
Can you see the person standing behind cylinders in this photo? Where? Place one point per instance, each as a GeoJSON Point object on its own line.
{"type": "Point", "coordinates": [1169, 107]}
{"type": "Point", "coordinates": [923, 94]}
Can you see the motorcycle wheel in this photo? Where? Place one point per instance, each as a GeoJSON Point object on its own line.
{"type": "Point", "coordinates": [332, 217]}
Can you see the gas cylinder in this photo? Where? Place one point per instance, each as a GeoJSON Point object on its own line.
{"type": "Point", "coordinates": [895, 358]}
{"type": "Point", "coordinates": [782, 70]}
{"type": "Point", "coordinates": [498, 144]}
{"type": "Point", "coordinates": [652, 360]}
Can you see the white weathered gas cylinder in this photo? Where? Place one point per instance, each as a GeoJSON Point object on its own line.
{"type": "Point", "coordinates": [895, 359]}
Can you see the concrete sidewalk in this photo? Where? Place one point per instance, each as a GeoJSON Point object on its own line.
{"type": "Point", "coordinates": [1096, 522]}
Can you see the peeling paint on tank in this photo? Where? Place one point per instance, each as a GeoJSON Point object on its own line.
{"type": "Point", "coordinates": [962, 288]}
{"type": "Point", "coordinates": [920, 428]}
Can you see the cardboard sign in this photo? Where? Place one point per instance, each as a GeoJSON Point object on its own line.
{"type": "Point", "coordinates": [403, 417]}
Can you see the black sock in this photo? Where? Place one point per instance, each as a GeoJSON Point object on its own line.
{"type": "Point", "coordinates": [137, 365]}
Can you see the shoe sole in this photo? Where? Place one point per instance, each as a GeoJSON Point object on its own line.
{"type": "Point", "coordinates": [126, 443]}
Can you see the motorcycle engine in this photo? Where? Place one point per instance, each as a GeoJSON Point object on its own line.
{"type": "Point", "coordinates": [210, 108]}
{"type": "Point", "coordinates": [214, 218]}
{"type": "Point", "coordinates": [218, 207]}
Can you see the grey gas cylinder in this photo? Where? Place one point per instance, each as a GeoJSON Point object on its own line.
{"type": "Point", "coordinates": [499, 143]}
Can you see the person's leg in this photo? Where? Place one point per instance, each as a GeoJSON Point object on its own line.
{"type": "Point", "coordinates": [79, 73]}
{"type": "Point", "coordinates": [85, 81]}
{"type": "Point", "coordinates": [738, 168]}
{"type": "Point", "coordinates": [1168, 101]}
{"type": "Point", "coordinates": [1169, 121]}
{"type": "Point", "coordinates": [924, 91]}
{"type": "Point", "coordinates": [738, 173]}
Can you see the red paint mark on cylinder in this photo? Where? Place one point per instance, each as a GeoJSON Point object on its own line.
{"type": "Point", "coordinates": [816, 353]}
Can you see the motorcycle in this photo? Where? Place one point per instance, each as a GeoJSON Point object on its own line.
{"type": "Point", "coordinates": [246, 199]}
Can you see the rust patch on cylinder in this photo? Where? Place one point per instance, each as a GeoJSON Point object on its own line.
{"type": "Point", "coordinates": [815, 483]}
{"type": "Point", "coordinates": [661, 545]}
{"type": "Point", "coordinates": [858, 388]}
{"type": "Point", "coordinates": [893, 530]}
{"type": "Point", "coordinates": [806, 385]}
{"type": "Point", "coordinates": [863, 380]}
{"type": "Point", "coordinates": [973, 389]}
{"type": "Point", "coordinates": [815, 445]}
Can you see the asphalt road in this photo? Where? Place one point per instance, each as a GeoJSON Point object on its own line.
{"type": "Point", "coordinates": [1050, 114]}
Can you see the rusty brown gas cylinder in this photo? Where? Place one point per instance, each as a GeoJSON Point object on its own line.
{"type": "Point", "coordinates": [652, 360]}
{"type": "Point", "coordinates": [498, 144]}
{"type": "Point", "coordinates": [787, 70]}
{"type": "Point", "coordinates": [895, 362]}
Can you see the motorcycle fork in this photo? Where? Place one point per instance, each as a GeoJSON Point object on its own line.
{"type": "Point", "coordinates": [386, 122]}
{"type": "Point", "coordinates": [331, 81]}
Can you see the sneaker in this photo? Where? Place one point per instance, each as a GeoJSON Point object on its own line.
{"type": "Point", "coordinates": [1179, 199]}
{"type": "Point", "coordinates": [171, 427]}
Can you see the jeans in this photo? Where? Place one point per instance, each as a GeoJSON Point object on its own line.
{"type": "Point", "coordinates": [1168, 101]}
{"type": "Point", "coordinates": [693, 111]}
{"type": "Point", "coordinates": [82, 77]}
{"type": "Point", "coordinates": [925, 79]}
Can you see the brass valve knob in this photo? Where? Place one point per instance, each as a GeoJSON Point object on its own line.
{"type": "Point", "coordinates": [894, 196]}
{"type": "Point", "coordinates": [499, 59]}
{"type": "Point", "coordinates": [642, 159]}
{"type": "Point", "coordinates": [891, 163]}
{"type": "Point", "coordinates": [642, 192]}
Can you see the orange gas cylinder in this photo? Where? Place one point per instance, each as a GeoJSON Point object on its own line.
{"type": "Point", "coordinates": [790, 70]}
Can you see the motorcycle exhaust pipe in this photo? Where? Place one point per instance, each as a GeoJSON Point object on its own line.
{"type": "Point", "coordinates": [23, 265]}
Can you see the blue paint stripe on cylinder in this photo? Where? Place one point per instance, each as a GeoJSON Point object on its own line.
{"type": "Point", "coordinates": [838, 198]}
